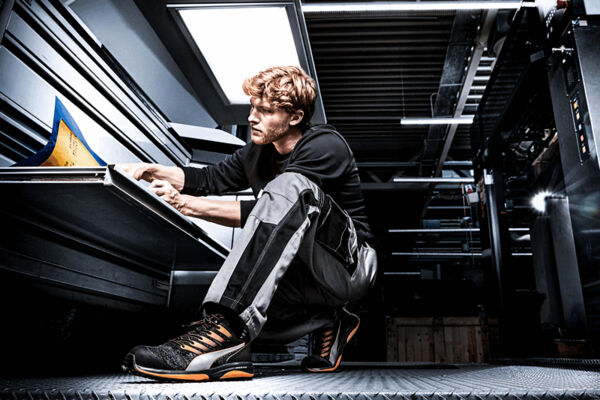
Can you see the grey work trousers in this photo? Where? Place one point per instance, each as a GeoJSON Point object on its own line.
{"type": "Point", "coordinates": [299, 249]}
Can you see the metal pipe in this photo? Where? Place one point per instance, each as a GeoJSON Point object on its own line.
{"type": "Point", "coordinates": [447, 207]}
{"type": "Point", "coordinates": [448, 230]}
{"type": "Point", "coordinates": [452, 163]}
{"type": "Point", "coordinates": [438, 230]}
{"type": "Point", "coordinates": [396, 164]}
{"type": "Point", "coordinates": [402, 273]}
{"type": "Point", "coordinates": [418, 179]}
{"type": "Point", "coordinates": [442, 254]}
{"type": "Point", "coordinates": [494, 232]}
{"type": "Point", "coordinates": [436, 254]}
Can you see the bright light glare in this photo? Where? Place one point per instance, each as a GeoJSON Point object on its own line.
{"type": "Point", "coordinates": [238, 42]}
{"type": "Point", "coordinates": [437, 121]}
{"type": "Point", "coordinates": [409, 6]}
{"type": "Point", "coordinates": [539, 201]}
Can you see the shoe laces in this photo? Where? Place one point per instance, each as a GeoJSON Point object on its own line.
{"type": "Point", "coordinates": [200, 330]}
{"type": "Point", "coordinates": [323, 342]}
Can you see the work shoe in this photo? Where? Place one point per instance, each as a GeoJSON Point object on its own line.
{"type": "Point", "coordinates": [328, 343]}
{"type": "Point", "coordinates": [209, 351]}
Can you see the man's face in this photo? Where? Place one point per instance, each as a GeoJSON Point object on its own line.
{"type": "Point", "coordinates": [268, 124]}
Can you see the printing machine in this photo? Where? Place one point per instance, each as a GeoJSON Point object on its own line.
{"type": "Point", "coordinates": [94, 234]}
{"type": "Point", "coordinates": [575, 89]}
{"type": "Point", "coordinates": [543, 98]}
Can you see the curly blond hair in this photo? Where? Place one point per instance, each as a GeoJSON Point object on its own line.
{"type": "Point", "coordinates": [288, 88]}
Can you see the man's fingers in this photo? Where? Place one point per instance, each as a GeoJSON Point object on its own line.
{"type": "Point", "coordinates": [157, 188]}
{"type": "Point", "coordinates": [136, 170]}
{"type": "Point", "coordinates": [137, 173]}
{"type": "Point", "coordinates": [141, 172]}
{"type": "Point", "coordinates": [159, 191]}
{"type": "Point", "coordinates": [157, 183]}
{"type": "Point", "coordinates": [163, 189]}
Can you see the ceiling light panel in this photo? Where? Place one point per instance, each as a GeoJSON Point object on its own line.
{"type": "Point", "coordinates": [239, 41]}
{"type": "Point", "coordinates": [437, 121]}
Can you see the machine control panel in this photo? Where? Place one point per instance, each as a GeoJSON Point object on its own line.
{"type": "Point", "coordinates": [580, 131]}
{"type": "Point", "coordinates": [576, 96]}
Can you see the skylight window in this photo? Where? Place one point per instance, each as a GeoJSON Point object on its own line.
{"type": "Point", "coordinates": [239, 41]}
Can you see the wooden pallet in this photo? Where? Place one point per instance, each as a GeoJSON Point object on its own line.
{"type": "Point", "coordinates": [440, 340]}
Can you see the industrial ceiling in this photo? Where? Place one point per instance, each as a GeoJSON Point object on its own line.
{"type": "Point", "coordinates": [375, 68]}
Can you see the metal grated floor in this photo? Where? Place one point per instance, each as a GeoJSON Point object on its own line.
{"type": "Point", "coordinates": [463, 382]}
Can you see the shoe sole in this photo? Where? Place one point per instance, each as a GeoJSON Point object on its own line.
{"type": "Point", "coordinates": [339, 360]}
{"type": "Point", "coordinates": [237, 370]}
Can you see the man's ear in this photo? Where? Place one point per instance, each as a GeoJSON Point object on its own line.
{"type": "Point", "coordinates": [297, 117]}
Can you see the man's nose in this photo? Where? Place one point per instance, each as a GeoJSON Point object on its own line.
{"type": "Point", "coordinates": [252, 116]}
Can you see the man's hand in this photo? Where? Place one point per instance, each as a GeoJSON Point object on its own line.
{"type": "Point", "coordinates": [151, 172]}
{"type": "Point", "coordinates": [169, 194]}
{"type": "Point", "coordinates": [226, 213]}
{"type": "Point", "coordinates": [139, 171]}
{"type": "Point", "coordinates": [166, 182]}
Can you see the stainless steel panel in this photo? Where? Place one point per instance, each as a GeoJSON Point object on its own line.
{"type": "Point", "coordinates": [64, 77]}
{"type": "Point", "coordinates": [88, 56]}
{"type": "Point", "coordinates": [97, 232]}
{"type": "Point", "coordinates": [588, 56]}
{"type": "Point", "coordinates": [105, 208]}
{"type": "Point", "coordinates": [50, 258]}
{"type": "Point", "coordinates": [544, 267]}
{"type": "Point", "coordinates": [57, 56]}
{"type": "Point", "coordinates": [567, 269]}
{"type": "Point", "coordinates": [34, 98]}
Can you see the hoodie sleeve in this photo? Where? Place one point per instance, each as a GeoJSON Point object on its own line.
{"type": "Point", "coordinates": [227, 176]}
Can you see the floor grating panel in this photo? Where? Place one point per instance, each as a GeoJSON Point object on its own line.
{"type": "Point", "coordinates": [465, 382]}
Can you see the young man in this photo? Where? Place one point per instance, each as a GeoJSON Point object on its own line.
{"type": "Point", "coordinates": [303, 252]}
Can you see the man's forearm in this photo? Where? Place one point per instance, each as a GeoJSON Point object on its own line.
{"type": "Point", "coordinates": [174, 175]}
{"type": "Point", "coordinates": [221, 212]}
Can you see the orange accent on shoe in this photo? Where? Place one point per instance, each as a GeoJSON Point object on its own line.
{"type": "Point", "coordinates": [337, 364]}
{"type": "Point", "coordinates": [181, 377]}
{"type": "Point", "coordinates": [353, 332]}
{"type": "Point", "coordinates": [191, 349]}
{"type": "Point", "coordinates": [200, 346]}
{"type": "Point", "coordinates": [224, 331]}
{"type": "Point", "coordinates": [216, 337]}
{"type": "Point", "coordinates": [208, 341]}
{"type": "Point", "coordinates": [236, 374]}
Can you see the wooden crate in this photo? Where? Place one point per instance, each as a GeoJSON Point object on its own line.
{"type": "Point", "coordinates": [448, 339]}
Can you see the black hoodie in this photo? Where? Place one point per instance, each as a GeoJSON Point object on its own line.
{"type": "Point", "coordinates": [321, 154]}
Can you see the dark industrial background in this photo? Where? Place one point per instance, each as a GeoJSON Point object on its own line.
{"type": "Point", "coordinates": [460, 245]}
